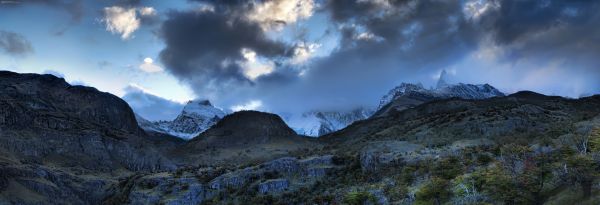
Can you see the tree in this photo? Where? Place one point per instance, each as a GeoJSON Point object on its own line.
{"type": "Point", "coordinates": [497, 183]}
{"type": "Point", "coordinates": [531, 181]}
{"type": "Point", "coordinates": [583, 170]}
{"type": "Point", "coordinates": [594, 140]}
{"type": "Point", "coordinates": [448, 168]}
{"type": "Point", "coordinates": [434, 192]}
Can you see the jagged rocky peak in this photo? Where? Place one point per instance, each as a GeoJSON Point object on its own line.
{"type": "Point", "coordinates": [203, 102]}
{"type": "Point", "coordinates": [443, 80]}
{"type": "Point", "coordinates": [202, 108]}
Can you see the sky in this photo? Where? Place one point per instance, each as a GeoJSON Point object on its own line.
{"type": "Point", "coordinates": [293, 56]}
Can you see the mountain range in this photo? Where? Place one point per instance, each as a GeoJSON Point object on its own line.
{"type": "Point", "coordinates": [65, 144]}
{"type": "Point", "coordinates": [198, 116]}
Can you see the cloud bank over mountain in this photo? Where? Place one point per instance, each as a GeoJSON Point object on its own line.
{"type": "Point", "coordinates": [151, 106]}
{"type": "Point", "coordinates": [524, 44]}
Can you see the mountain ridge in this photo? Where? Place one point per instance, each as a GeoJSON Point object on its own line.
{"type": "Point", "coordinates": [408, 95]}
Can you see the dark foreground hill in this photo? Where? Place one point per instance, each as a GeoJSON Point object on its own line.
{"type": "Point", "coordinates": [521, 116]}
{"type": "Point", "coordinates": [50, 130]}
{"type": "Point", "coordinates": [244, 137]}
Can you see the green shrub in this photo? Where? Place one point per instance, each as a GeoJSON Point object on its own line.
{"type": "Point", "coordinates": [435, 191]}
{"type": "Point", "coordinates": [448, 168]}
{"type": "Point", "coordinates": [358, 197]}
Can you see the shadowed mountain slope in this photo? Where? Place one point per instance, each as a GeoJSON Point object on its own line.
{"type": "Point", "coordinates": [242, 137]}
{"type": "Point", "coordinates": [61, 143]}
{"type": "Point", "coordinates": [524, 114]}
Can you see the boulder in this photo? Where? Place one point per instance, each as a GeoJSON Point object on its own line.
{"type": "Point", "coordinates": [273, 186]}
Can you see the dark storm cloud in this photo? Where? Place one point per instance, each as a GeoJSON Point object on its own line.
{"type": "Point", "coordinates": [546, 28]}
{"type": "Point", "coordinates": [225, 4]}
{"type": "Point", "coordinates": [128, 3]}
{"type": "Point", "coordinates": [73, 7]}
{"type": "Point", "coordinates": [408, 41]}
{"type": "Point", "coordinates": [563, 34]}
{"type": "Point", "coordinates": [381, 45]}
{"type": "Point", "coordinates": [419, 38]}
{"type": "Point", "coordinates": [206, 45]}
{"type": "Point", "coordinates": [516, 20]}
{"type": "Point", "coordinates": [14, 44]}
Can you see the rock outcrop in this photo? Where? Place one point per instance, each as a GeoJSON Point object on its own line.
{"type": "Point", "coordinates": [198, 185]}
{"type": "Point", "coordinates": [273, 186]}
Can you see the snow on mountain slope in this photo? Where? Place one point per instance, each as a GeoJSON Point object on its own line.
{"type": "Point", "coordinates": [469, 91]}
{"type": "Point", "coordinates": [400, 90]}
{"type": "Point", "coordinates": [196, 116]}
{"type": "Point", "coordinates": [408, 95]}
{"type": "Point", "coordinates": [318, 123]}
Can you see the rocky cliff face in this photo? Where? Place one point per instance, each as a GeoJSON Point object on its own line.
{"type": "Point", "coordinates": [45, 117]}
{"type": "Point", "coordinates": [52, 133]}
{"type": "Point", "coordinates": [48, 102]}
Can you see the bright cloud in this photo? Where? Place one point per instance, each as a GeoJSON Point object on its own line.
{"type": "Point", "coordinates": [121, 21]}
{"type": "Point", "coordinates": [251, 105]}
{"type": "Point", "coordinates": [475, 8]}
{"type": "Point", "coordinates": [125, 21]}
{"type": "Point", "coordinates": [303, 52]}
{"type": "Point", "coordinates": [147, 11]}
{"type": "Point", "coordinates": [273, 15]}
{"type": "Point", "coordinates": [149, 66]}
{"type": "Point", "coordinates": [254, 67]}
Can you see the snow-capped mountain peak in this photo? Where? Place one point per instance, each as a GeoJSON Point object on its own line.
{"type": "Point", "coordinates": [318, 123]}
{"type": "Point", "coordinates": [201, 108]}
{"type": "Point", "coordinates": [195, 118]}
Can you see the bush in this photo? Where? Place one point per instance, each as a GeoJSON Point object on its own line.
{"type": "Point", "coordinates": [448, 168]}
{"type": "Point", "coordinates": [436, 191]}
{"type": "Point", "coordinates": [358, 198]}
